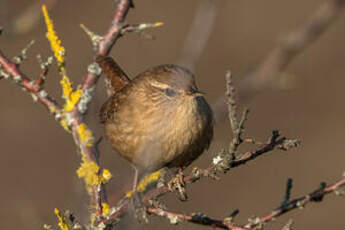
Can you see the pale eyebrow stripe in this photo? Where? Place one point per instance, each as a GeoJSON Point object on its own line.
{"type": "Point", "coordinates": [159, 85]}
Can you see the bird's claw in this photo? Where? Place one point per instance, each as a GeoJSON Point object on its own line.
{"type": "Point", "coordinates": [177, 183]}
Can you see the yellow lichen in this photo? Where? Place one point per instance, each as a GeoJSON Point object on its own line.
{"type": "Point", "coordinates": [147, 180]}
{"type": "Point", "coordinates": [52, 109]}
{"type": "Point", "coordinates": [62, 220]}
{"type": "Point", "coordinates": [105, 208]}
{"type": "Point", "coordinates": [89, 171]}
{"type": "Point", "coordinates": [64, 124]}
{"type": "Point", "coordinates": [141, 187]}
{"type": "Point", "coordinates": [55, 42]}
{"type": "Point", "coordinates": [85, 135]}
{"type": "Point", "coordinates": [129, 194]}
{"type": "Point", "coordinates": [71, 97]}
{"type": "Point", "coordinates": [106, 176]}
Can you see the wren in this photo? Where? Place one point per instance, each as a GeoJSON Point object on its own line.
{"type": "Point", "coordinates": [158, 119]}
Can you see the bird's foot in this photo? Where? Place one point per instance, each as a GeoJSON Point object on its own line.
{"type": "Point", "coordinates": [177, 183]}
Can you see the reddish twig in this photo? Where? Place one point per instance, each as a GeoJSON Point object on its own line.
{"type": "Point", "coordinates": [225, 164]}
{"type": "Point", "coordinates": [299, 202]}
{"type": "Point", "coordinates": [195, 218]}
{"type": "Point", "coordinates": [90, 80]}
{"type": "Point", "coordinates": [44, 69]}
{"type": "Point", "coordinates": [109, 39]}
{"type": "Point", "coordinates": [227, 223]}
{"type": "Point", "coordinates": [11, 69]}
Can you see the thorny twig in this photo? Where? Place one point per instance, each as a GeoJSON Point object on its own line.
{"type": "Point", "coordinates": [257, 222]}
{"type": "Point", "coordinates": [9, 69]}
{"type": "Point", "coordinates": [236, 127]}
{"type": "Point", "coordinates": [223, 162]}
{"type": "Point", "coordinates": [44, 65]}
{"type": "Point", "coordinates": [299, 202]}
{"type": "Point", "coordinates": [140, 28]}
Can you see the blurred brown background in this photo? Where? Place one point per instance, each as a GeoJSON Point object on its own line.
{"type": "Point", "coordinates": [39, 159]}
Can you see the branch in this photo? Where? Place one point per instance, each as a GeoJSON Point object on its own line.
{"type": "Point", "coordinates": [300, 202]}
{"type": "Point", "coordinates": [220, 164]}
{"type": "Point", "coordinates": [90, 80]}
{"type": "Point", "coordinates": [108, 40]}
{"type": "Point", "coordinates": [73, 118]}
{"type": "Point", "coordinates": [255, 223]}
{"type": "Point", "coordinates": [195, 218]}
{"type": "Point", "coordinates": [10, 69]}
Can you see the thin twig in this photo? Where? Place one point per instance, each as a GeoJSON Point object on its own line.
{"type": "Point", "coordinates": [195, 218]}
{"type": "Point", "coordinates": [287, 191]}
{"type": "Point", "coordinates": [274, 142]}
{"type": "Point", "coordinates": [202, 219]}
{"type": "Point", "coordinates": [11, 69]}
{"type": "Point", "coordinates": [231, 102]}
{"type": "Point", "coordinates": [299, 202]}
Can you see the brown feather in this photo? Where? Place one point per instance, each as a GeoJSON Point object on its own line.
{"type": "Point", "coordinates": [116, 78]}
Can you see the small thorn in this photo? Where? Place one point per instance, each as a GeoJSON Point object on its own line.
{"type": "Point", "coordinates": [20, 58]}
{"type": "Point", "coordinates": [95, 38]}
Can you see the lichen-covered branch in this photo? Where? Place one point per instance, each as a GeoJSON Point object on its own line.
{"type": "Point", "coordinates": [10, 70]}
{"type": "Point", "coordinates": [82, 135]}
{"type": "Point", "coordinates": [71, 116]}
{"type": "Point", "coordinates": [108, 40]}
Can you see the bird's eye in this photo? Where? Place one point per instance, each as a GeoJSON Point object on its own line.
{"type": "Point", "coordinates": [170, 92]}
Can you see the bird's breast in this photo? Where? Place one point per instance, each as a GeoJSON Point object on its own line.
{"type": "Point", "coordinates": [171, 135]}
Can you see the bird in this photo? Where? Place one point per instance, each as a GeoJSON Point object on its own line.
{"type": "Point", "coordinates": [158, 119]}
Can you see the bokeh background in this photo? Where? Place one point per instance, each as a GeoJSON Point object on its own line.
{"type": "Point", "coordinates": [39, 159]}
